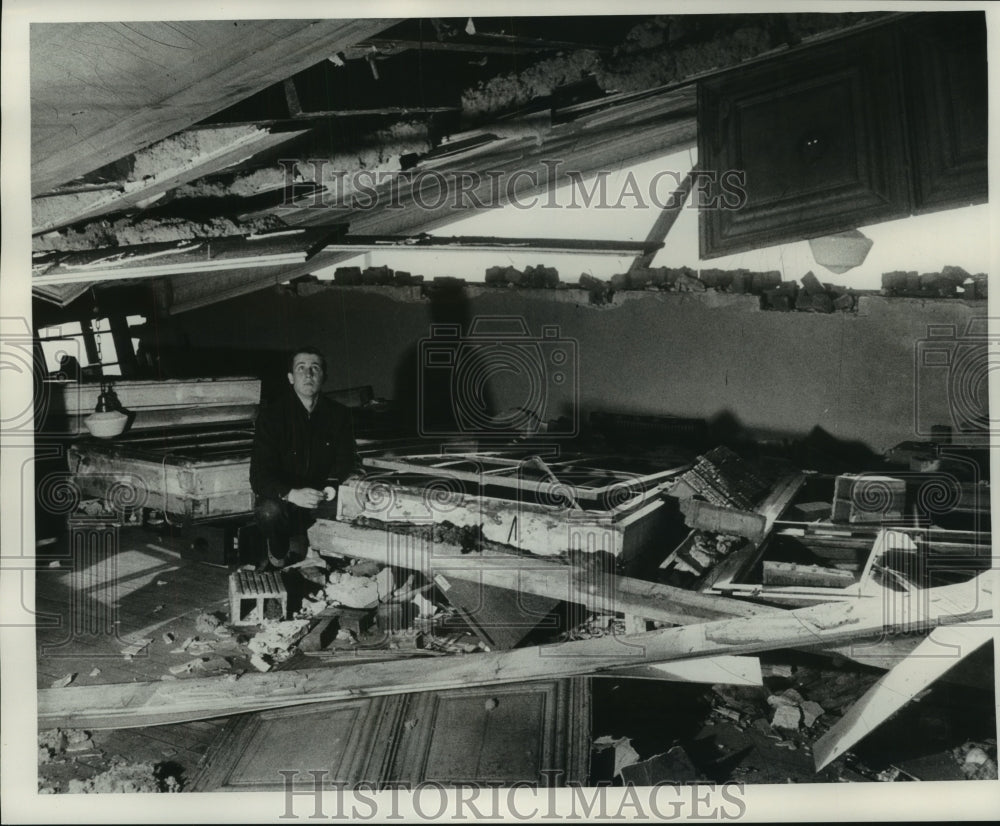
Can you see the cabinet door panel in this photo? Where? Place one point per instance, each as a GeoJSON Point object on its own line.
{"type": "Point", "coordinates": [947, 93]}
{"type": "Point", "coordinates": [818, 136]}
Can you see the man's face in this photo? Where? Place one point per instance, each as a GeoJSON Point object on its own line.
{"type": "Point", "coordinates": [307, 375]}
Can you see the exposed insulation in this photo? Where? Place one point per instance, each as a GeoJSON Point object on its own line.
{"type": "Point", "coordinates": [658, 51]}
{"type": "Point", "coordinates": [128, 232]}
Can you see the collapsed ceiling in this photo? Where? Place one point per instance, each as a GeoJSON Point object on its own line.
{"type": "Point", "coordinates": [153, 133]}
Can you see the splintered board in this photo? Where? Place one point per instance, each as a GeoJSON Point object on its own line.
{"type": "Point", "coordinates": [193, 473]}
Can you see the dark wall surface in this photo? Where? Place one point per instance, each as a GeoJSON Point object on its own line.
{"type": "Point", "coordinates": [713, 356]}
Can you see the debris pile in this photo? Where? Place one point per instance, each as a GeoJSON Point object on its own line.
{"type": "Point", "coordinates": [127, 778]}
{"type": "Point", "coordinates": [978, 760]}
{"type": "Point", "coordinates": [274, 643]}
{"type": "Point", "coordinates": [951, 282]}
{"type": "Point", "coordinates": [704, 552]}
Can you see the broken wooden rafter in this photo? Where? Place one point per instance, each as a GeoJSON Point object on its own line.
{"type": "Point", "coordinates": [665, 220]}
{"type": "Point", "coordinates": [943, 649]}
{"type": "Point", "coordinates": [602, 593]}
{"type": "Point", "coordinates": [630, 133]}
{"type": "Point", "coordinates": [144, 703]}
{"type": "Point", "coordinates": [725, 670]}
{"type": "Point", "coordinates": [129, 194]}
{"type": "Point", "coordinates": [483, 243]}
{"type": "Point", "coordinates": [182, 256]}
{"type": "Point", "coordinates": [572, 583]}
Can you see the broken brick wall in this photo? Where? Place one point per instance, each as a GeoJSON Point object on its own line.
{"type": "Point", "coordinates": [713, 356]}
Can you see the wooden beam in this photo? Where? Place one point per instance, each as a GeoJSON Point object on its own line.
{"type": "Point", "coordinates": [569, 583]}
{"type": "Point", "coordinates": [151, 703]}
{"type": "Point", "coordinates": [943, 649]}
{"type": "Point", "coordinates": [723, 670]}
{"type": "Point", "coordinates": [47, 214]}
{"type": "Point", "coordinates": [638, 130]}
{"type": "Point", "coordinates": [191, 255]}
{"type": "Point", "coordinates": [484, 243]}
{"type": "Point", "coordinates": [665, 220]}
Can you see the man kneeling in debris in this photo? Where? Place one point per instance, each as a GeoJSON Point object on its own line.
{"type": "Point", "coordinates": [303, 447]}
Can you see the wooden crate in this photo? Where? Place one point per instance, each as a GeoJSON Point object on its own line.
{"type": "Point", "coordinates": [545, 530]}
{"type": "Point", "coordinates": [192, 474]}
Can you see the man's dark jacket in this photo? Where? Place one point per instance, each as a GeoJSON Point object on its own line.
{"type": "Point", "coordinates": [296, 449]}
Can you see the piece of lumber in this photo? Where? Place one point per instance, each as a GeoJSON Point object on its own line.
{"type": "Point", "coordinates": [57, 211]}
{"type": "Point", "coordinates": [568, 583]}
{"type": "Point", "coordinates": [138, 704]}
{"type": "Point", "coordinates": [665, 220]}
{"type": "Point", "coordinates": [725, 670]}
{"type": "Point", "coordinates": [818, 576]}
{"type": "Point", "coordinates": [719, 519]}
{"type": "Point", "coordinates": [943, 648]}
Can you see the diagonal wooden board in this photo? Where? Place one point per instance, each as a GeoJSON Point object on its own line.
{"type": "Point", "coordinates": [569, 583]}
{"type": "Point", "coordinates": [943, 649]}
{"type": "Point", "coordinates": [727, 670]}
{"type": "Point", "coordinates": [152, 703]}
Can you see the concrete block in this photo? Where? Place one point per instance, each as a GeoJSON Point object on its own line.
{"type": "Point", "coordinates": [812, 284]}
{"type": "Point", "coordinates": [348, 276]}
{"type": "Point", "coordinates": [787, 717]}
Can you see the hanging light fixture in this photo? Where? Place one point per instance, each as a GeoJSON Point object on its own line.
{"type": "Point", "coordinates": [841, 252]}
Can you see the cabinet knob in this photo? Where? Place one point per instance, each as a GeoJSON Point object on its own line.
{"type": "Point", "coordinates": [812, 146]}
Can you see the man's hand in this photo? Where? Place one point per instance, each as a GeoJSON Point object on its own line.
{"type": "Point", "coordinates": [306, 497]}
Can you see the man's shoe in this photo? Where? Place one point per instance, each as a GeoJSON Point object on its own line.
{"type": "Point", "coordinates": [275, 561]}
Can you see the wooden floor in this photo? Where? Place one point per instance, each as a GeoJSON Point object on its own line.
{"type": "Point", "coordinates": [113, 590]}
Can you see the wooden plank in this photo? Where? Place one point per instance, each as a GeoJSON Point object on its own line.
{"type": "Point", "coordinates": [724, 670]}
{"type": "Point", "coordinates": [817, 576]}
{"type": "Point", "coordinates": [568, 583]}
{"type": "Point", "coordinates": [720, 519]}
{"type": "Point", "coordinates": [944, 648]}
{"type": "Point", "coordinates": [665, 220]}
{"type": "Point", "coordinates": [62, 210]}
{"type": "Point", "coordinates": [137, 704]}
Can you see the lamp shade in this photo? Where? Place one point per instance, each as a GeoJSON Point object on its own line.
{"type": "Point", "coordinates": [841, 252]}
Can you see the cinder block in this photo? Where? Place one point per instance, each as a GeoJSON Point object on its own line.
{"type": "Point", "coordinates": [255, 597]}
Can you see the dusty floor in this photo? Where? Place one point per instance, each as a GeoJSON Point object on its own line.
{"type": "Point", "coordinates": [712, 733]}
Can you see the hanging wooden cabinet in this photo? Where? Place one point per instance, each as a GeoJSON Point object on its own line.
{"type": "Point", "coordinates": [865, 128]}
{"type": "Point", "coordinates": [947, 95]}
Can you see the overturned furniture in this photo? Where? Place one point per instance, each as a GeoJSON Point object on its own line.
{"type": "Point", "coordinates": [557, 507]}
